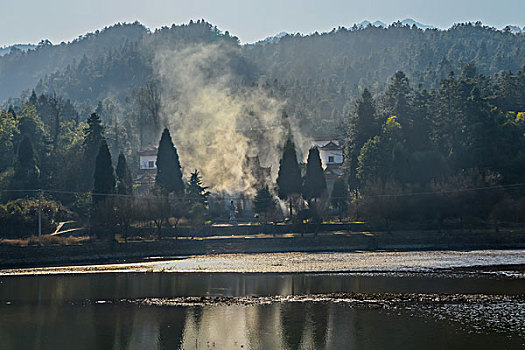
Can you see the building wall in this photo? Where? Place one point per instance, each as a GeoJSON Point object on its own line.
{"type": "Point", "coordinates": [144, 162]}
{"type": "Point", "coordinates": [337, 154]}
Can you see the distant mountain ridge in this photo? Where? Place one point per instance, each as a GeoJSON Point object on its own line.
{"type": "Point", "coordinates": [407, 21]}
{"type": "Point", "coordinates": [24, 47]}
{"type": "Point", "coordinates": [118, 59]}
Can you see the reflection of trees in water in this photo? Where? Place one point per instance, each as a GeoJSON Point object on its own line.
{"type": "Point", "coordinates": [124, 319]}
{"type": "Point", "coordinates": [172, 327]}
{"type": "Point", "coordinates": [304, 325]}
{"type": "Point", "coordinates": [295, 325]}
{"type": "Point", "coordinates": [262, 326]}
{"type": "Point", "coordinates": [318, 317]}
{"type": "Point", "coordinates": [292, 324]}
{"type": "Point", "coordinates": [343, 326]}
{"type": "Point", "coordinates": [142, 328]}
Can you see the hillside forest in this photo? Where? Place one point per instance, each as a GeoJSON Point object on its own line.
{"type": "Point", "coordinates": [433, 123]}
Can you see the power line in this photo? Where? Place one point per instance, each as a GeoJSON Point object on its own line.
{"type": "Point", "coordinates": [473, 189]}
{"type": "Point", "coordinates": [425, 193]}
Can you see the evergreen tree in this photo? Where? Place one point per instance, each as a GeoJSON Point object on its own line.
{"type": "Point", "coordinates": [398, 98]}
{"type": "Point", "coordinates": [27, 173]}
{"type": "Point", "coordinates": [169, 174]}
{"type": "Point", "coordinates": [363, 126]}
{"type": "Point", "coordinates": [124, 203]}
{"type": "Point", "coordinates": [314, 182]}
{"type": "Point", "coordinates": [8, 131]}
{"type": "Point", "coordinates": [196, 193]}
{"type": "Point", "coordinates": [104, 175]}
{"type": "Point", "coordinates": [263, 203]}
{"type": "Point", "coordinates": [340, 196]}
{"type": "Point", "coordinates": [124, 180]}
{"type": "Point", "coordinates": [12, 112]}
{"type": "Point", "coordinates": [289, 175]}
{"type": "Point", "coordinates": [33, 98]}
{"type": "Point", "coordinates": [93, 137]}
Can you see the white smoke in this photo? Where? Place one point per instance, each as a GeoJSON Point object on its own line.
{"type": "Point", "coordinates": [215, 119]}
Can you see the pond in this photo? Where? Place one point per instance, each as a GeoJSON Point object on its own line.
{"type": "Point", "coordinates": [262, 311]}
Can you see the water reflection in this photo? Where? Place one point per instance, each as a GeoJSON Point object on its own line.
{"type": "Point", "coordinates": [85, 312]}
{"type": "Point", "coordinates": [273, 326]}
{"type": "Point", "coordinates": [67, 288]}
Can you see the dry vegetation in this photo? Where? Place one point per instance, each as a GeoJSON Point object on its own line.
{"type": "Point", "coordinates": [46, 240]}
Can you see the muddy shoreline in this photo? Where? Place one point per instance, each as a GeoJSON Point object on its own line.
{"type": "Point", "coordinates": [510, 263]}
{"type": "Point", "coordinates": [340, 242]}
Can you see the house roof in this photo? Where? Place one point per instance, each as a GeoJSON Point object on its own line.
{"type": "Point", "coordinates": [149, 151]}
{"type": "Point", "coordinates": [328, 138]}
{"type": "Point", "coordinates": [330, 146]}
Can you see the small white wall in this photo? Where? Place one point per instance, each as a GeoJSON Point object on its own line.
{"type": "Point", "coordinates": [144, 162]}
{"type": "Point", "coordinates": [338, 157]}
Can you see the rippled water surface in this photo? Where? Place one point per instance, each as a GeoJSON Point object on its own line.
{"type": "Point", "coordinates": [284, 311]}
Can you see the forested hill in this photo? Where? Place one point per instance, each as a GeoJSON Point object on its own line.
{"type": "Point", "coordinates": [319, 75]}
{"type": "Point", "coordinates": [434, 120]}
{"type": "Point", "coordinates": [22, 69]}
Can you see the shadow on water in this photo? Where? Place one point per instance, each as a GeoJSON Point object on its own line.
{"type": "Point", "coordinates": [84, 312]}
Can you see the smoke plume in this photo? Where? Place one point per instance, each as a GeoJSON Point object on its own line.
{"type": "Point", "coordinates": [215, 118]}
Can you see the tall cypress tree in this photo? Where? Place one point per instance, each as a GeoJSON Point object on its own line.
{"type": "Point", "coordinates": [124, 180]}
{"type": "Point", "coordinates": [363, 126]}
{"type": "Point", "coordinates": [169, 174]}
{"type": "Point", "coordinates": [104, 175]}
{"type": "Point", "coordinates": [314, 181]}
{"type": "Point", "coordinates": [289, 175]}
{"type": "Point", "coordinates": [93, 137]}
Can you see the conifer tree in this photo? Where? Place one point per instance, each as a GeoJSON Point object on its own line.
{"type": "Point", "coordinates": [169, 174]}
{"type": "Point", "coordinates": [27, 173]}
{"type": "Point", "coordinates": [314, 181]}
{"type": "Point", "coordinates": [104, 175]}
{"type": "Point", "coordinates": [93, 137]}
{"type": "Point", "coordinates": [289, 175]}
{"type": "Point", "coordinates": [124, 180]}
{"type": "Point", "coordinates": [124, 202]}
{"type": "Point", "coordinates": [363, 126]}
{"type": "Point", "coordinates": [263, 203]}
{"type": "Point", "coordinates": [196, 193]}
{"type": "Point", "coordinates": [340, 196]}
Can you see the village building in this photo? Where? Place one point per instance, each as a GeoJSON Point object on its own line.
{"type": "Point", "coordinates": [256, 176]}
{"type": "Point", "coordinates": [331, 152]}
{"type": "Point", "coordinates": [145, 175]}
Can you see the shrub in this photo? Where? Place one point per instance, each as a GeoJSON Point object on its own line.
{"type": "Point", "coordinates": [19, 218]}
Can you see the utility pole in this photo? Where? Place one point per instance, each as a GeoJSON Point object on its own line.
{"type": "Point", "coordinates": [356, 204]}
{"type": "Point", "coordinates": [40, 218]}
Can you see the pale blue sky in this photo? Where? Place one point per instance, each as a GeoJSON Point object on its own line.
{"type": "Point", "coordinates": [24, 21]}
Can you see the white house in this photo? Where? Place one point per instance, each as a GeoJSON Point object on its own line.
{"type": "Point", "coordinates": [148, 159]}
{"type": "Point", "coordinates": [145, 176]}
{"type": "Point", "coordinates": [330, 151]}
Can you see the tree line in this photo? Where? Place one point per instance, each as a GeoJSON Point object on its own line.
{"type": "Point", "coordinates": [447, 156]}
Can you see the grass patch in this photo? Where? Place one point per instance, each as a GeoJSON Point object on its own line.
{"type": "Point", "coordinates": [46, 240]}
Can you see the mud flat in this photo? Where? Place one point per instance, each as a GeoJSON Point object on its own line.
{"type": "Point", "coordinates": [336, 242]}
{"type": "Point", "coordinates": [509, 262]}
